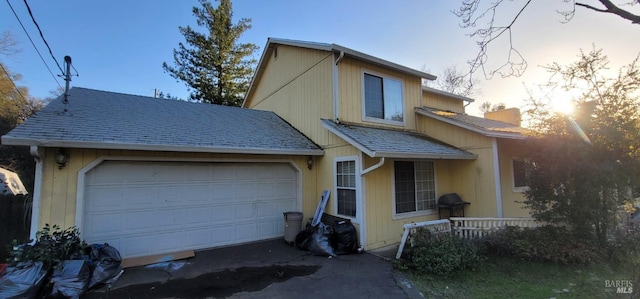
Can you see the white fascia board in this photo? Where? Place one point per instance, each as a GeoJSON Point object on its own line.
{"type": "Point", "coordinates": [447, 94]}
{"type": "Point", "coordinates": [484, 132]}
{"type": "Point", "coordinates": [422, 156]}
{"type": "Point", "coordinates": [157, 147]}
{"type": "Point", "coordinates": [352, 53]}
{"type": "Point", "coordinates": [350, 140]}
{"type": "Point", "coordinates": [382, 62]}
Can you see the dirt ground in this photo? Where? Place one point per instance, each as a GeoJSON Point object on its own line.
{"type": "Point", "coordinates": [211, 285]}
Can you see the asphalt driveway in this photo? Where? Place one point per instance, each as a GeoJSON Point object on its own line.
{"type": "Point", "coordinates": [269, 269]}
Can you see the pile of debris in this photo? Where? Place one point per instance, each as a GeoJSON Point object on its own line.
{"type": "Point", "coordinates": [67, 279]}
{"type": "Point", "coordinates": [331, 239]}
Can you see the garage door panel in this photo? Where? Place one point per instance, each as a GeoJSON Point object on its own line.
{"type": "Point", "coordinates": [103, 225]}
{"type": "Point", "coordinates": [284, 190]}
{"type": "Point", "coordinates": [245, 211]}
{"type": "Point", "coordinates": [245, 191]}
{"type": "Point", "coordinates": [145, 208]}
{"type": "Point", "coordinates": [222, 213]}
{"type": "Point", "coordinates": [110, 199]}
{"type": "Point", "coordinates": [267, 228]}
{"type": "Point", "coordinates": [246, 232]}
{"type": "Point", "coordinates": [198, 215]}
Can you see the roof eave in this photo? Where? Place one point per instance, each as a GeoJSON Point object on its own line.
{"type": "Point", "coordinates": [483, 132]}
{"type": "Point", "coordinates": [348, 139]}
{"type": "Point", "coordinates": [382, 62]}
{"type": "Point", "coordinates": [8, 140]}
{"type": "Point", "coordinates": [398, 155]}
{"type": "Point", "coordinates": [448, 94]}
{"type": "Point", "coordinates": [350, 52]}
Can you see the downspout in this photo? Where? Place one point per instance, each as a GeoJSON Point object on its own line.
{"type": "Point", "coordinates": [336, 110]}
{"type": "Point", "coordinates": [496, 177]}
{"type": "Point", "coordinates": [373, 167]}
{"type": "Point", "coordinates": [363, 226]}
{"type": "Point", "coordinates": [37, 154]}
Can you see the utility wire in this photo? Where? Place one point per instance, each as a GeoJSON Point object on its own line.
{"type": "Point", "coordinates": [42, 35]}
{"type": "Point", "coordinates": [14, 84]}
{"type": "Point", "coordinates": [34, 45]}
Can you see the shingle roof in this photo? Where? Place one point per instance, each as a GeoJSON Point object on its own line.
{"type": "Point", "coordinates": [101, 119]}
{"type": "Point", "coordinates": [387, 143]}
{"type": "Point", "coordinates": [484, 126]}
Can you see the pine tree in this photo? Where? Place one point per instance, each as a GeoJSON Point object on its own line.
{"type": "Point", "coordinates": [214, 65]}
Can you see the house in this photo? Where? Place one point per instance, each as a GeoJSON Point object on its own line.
{"type": "Point", "coordinates": [152, 176]}
{"type": "Point", "coordinates": [391, 145]}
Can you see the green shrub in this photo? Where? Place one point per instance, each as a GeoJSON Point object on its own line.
{"type": "Point", "coordinates": [441, 254]}
{"type": "Point", "coordinates": [546, 243]}
{"type": "Point", "coordinates": [624, 246]}
{"type": "Point", "coordinates": [51, 246]}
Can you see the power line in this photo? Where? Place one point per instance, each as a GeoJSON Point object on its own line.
{"type": "Point", "coordinates": [14, 84]}
{"type": "Point", "coordinates": [42, 35]}
{"type": "Point", "coordinates": [34, 45]}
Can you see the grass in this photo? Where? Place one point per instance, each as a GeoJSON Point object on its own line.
{"type": "Point", "coordinates": [499, 277]}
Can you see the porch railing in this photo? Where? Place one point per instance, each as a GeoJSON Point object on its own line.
{"type": "Point", "coordinates": [476, 227]}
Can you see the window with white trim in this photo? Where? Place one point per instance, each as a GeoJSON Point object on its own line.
{"type": "Point", "coordinates": [346, 187]}
{"type": "Point", "coordinates": [415, 186]}
{"type": "Point", "coordinates": [383, 98]}
{"type": "Point", "coordinates": [519, 171]}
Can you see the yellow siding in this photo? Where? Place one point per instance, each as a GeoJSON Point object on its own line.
{"type": "Point", "coordinates": [442, 102]}
{"type": "Point", "coordinates": [298, 87]}
{"type": "Point", "coordinates": [59, 187]}
{"type": "Point", "coordinates": [472, 179]}
{"type": "Point", "coordinates": [350, 91]}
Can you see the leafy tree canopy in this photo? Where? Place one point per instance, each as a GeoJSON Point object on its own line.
{"type": "Point", "coordinates": [16, 105]}
{"type": "Point", "coordinates": [214, 65]}
{"type": "Point", "coordinates": [584, 167]}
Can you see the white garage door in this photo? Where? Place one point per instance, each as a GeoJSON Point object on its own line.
{"type": "Point", "coordinates": [145, 208]}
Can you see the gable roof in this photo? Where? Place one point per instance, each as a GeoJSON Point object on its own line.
{"type": "Point", "coordinates": [271, 42]}
{"type": "Point", "coordinates": [109, 120]}
{"type": "Point", "coordinates": [387, 143]}
{"type": "Point", "coordinates": [484, 126]}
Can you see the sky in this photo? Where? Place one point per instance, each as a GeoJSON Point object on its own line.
{"type": "Point", "coordinates": [119, 45]}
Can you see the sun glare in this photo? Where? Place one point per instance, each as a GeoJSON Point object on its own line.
{"type": "Point", "coordinates": [563, 106]}
{"type": "Point", "coordinates": [562, 102]}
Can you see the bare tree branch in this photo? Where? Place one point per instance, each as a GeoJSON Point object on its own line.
{"type": "Point", "coordinates": [515, 64]}
{"type": "Point", "coordinates": [471, 15]}
{"type": "Point", "coordinates": [612, 8]}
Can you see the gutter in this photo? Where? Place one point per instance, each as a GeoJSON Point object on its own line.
{"type": "Point", "coordinates": [160, 147]}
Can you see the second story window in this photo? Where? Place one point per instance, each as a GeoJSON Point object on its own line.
{"type": "Point", "coordinates": [383, 98]}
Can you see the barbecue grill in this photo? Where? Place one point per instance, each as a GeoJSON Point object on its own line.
{"type": "Point", "coordinates": [451, 202]}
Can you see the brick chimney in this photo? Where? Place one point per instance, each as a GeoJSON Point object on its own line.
{"type": "Point", "coordinates": [511, 115]}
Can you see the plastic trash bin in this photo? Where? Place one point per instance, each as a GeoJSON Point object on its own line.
{"type": "Point", "coordinates": [292, 225]}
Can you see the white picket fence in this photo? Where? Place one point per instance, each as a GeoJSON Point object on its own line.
{"type": "Point", "coordinates": [477, 227]}
{"type": "Point", "coordinates": [435, 226]}
{"type": "Point", "coordinates": [466, 227]}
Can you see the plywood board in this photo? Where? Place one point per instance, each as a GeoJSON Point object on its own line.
{"type": "Point", "coordinates": [159, 258]}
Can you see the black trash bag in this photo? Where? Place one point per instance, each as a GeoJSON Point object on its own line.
{"type": "Point", "coordinates": [303, 238]}
{"type": "Point", "coordinates": [320, 241]}
{"type": "Point", "coordinates": [345, 238]}
{"type": "Point", "coordinates": [105, 264]}
{"type": "Point", "coordinates": [22, 281]}
{"type": "Point", "coordinates": [70, 279]}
